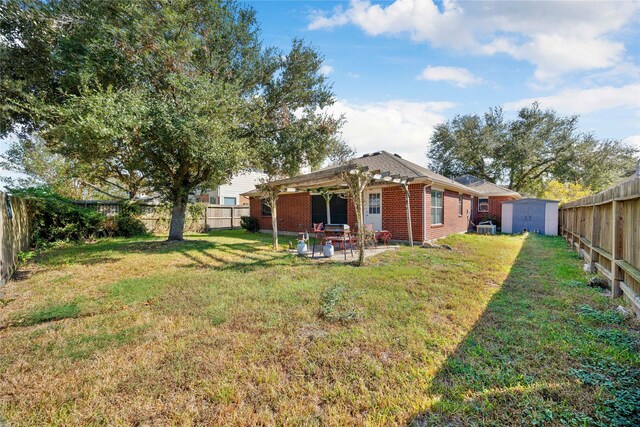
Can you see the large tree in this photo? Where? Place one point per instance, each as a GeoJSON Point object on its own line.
{"type": "Point", "coordinates": [291, 130]}
{"type": "Point", "coordinates": [176, 92]}
{"type": "Point", "coordinates": [526, 152]}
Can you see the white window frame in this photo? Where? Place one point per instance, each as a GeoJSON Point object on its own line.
{"type": "Point", "coordinates": [441, 207]}
{"type": "Point", "coordinates": [378, 205]}
{"type": "Point", "coordinates": [480, 204]}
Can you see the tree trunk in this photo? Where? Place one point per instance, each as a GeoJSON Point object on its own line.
{"type": "Point", "coordinates": [359, 206]}
{"type": "Point", "coordinates": [274, 221]}
{"type": "Point", "coordinates": [178, 213]}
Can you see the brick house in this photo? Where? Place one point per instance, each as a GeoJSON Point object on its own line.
{"type": "Point", "coordinates": [488, 203]}
{"type": "Point", "coordinates": [439, 206]}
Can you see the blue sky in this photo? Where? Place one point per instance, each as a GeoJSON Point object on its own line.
{"type": "Point", "coordinates": [400, 67]}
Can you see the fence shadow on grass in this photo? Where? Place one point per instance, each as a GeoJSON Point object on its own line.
{"type": "Point", "coordinates": [514, 366]}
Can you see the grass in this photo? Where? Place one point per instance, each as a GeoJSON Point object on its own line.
{"type": "Point", "coordinates": [219, 329]}
{"type": "Point", "coordinates": [49, 313]}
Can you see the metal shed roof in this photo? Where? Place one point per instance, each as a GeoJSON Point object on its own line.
{"type": "Point", "coordinates": [531, 199]}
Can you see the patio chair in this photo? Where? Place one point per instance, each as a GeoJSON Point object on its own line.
{"type": "Point", "coordinates": [318, 232]}
{"type": "Point", "coordinates": [369, 236]}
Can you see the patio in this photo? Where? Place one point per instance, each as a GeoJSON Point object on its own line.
{"type": "Point", "coordinates": [339, 256]}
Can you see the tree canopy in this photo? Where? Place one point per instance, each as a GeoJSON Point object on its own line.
{"type": "Point", "coordinates": [528, 151]}
{"type": "Point", "coordinates": [172, 96]}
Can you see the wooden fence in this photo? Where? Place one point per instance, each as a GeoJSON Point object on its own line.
{"type": "Point", "coordinates": [156, 218]}
{"type": "Point", "coordinates": [14, 233]}
{"type": "Point", "coordinates": [605, 230]}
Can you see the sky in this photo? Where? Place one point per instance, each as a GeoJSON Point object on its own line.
{"type": "Point", "coordinates": [400, 67]}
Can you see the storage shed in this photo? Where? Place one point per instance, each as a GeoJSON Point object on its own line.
{"type": "Point", "coordinates": [532, 215]}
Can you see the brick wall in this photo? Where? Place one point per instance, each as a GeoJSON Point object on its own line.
{"type": "Point", "coordinates": [294, 212]}
{"type": "Point", "coordinates": [495, 208]}
{"type": "Point", "coordinates": [452, 222]}
{"type": "Point", "coordinates": [394, 212]}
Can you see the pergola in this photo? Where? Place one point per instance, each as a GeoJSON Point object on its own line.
{"type": "Point", "coordinates": [350, 178]}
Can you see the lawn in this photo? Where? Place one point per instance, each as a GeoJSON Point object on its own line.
{"type": "Point", "coordinates": [221, 330]}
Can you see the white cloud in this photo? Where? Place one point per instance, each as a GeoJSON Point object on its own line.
{"type": "Point", "coordinates": [353, 75]}
{"type": "Point", "coordinates": [400, 127]}
{"type": "Point", "coordinates": [460, 77]}
{"type": "Point", "coordinates": [557, 37]}
{"type": "Point", "coordinates": [580, 101]}
{"type": "Point", "coordinates": [633, 141]}
{"type": "Point", "coordinates": [326, 70]}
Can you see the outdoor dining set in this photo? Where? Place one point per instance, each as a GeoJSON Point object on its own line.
{"type": "Point", "coordinates": [328, 236]}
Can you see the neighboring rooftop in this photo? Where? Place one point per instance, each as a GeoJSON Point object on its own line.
{"type": "Point", "coordinates": [486, 188]}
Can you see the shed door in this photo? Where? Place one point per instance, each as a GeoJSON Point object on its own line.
{"type": "Point", "coordinates": [528, 216]}
{"type": "Point", "coordinates": [373, 209]}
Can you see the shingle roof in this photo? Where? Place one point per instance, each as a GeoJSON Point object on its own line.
{"type": "Point", "coordinates": [486, 188]}
{"type": "Point", "coordinates": [382, 161]}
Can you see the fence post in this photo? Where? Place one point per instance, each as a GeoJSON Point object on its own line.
{"type": "Point", "coordinates": [616, 252]}
{"type": "Point", "coordinates": [574, 222]}
{"type": "Point", "coordinates": [233, 215]}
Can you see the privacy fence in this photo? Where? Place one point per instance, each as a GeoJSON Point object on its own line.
{"type": "Point", "coordinates": [200, 216]}
{"type": "Point", "coordinates": [605, 230]}
{"type": "Point", "coordinates": [14, 233]}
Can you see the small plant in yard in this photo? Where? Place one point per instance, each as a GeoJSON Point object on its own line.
{"type": "Point", "coordinates": [573, 283]}
{"type": "Point", "coordinates": [337, 304]}
{"type": "Point", "coordinates": [25, 256]}
{"type": "Point", "coordinates": [598, 316]}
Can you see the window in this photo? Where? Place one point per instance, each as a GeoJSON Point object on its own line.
{"type": "Point", "coordinates": [265, 209]}
{"type": "Point", "coordinates": [483, 205]}
{"type": "Point", "coordinates": [459, 204]}
{"type": "Point", "coordinates": [437, 207]}
{"type": "Point", "coordinates": [229, 201]}
{"type": "Point", "coordinates": [374, 203]}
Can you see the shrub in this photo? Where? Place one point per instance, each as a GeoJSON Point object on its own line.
{"type": "Point", "coordinates": [195, 217]}
{"type": "Point", "coordinates": [337, 304]}
{"type": "Point", "coordinates": [56, 218]}
{"type": "Point", "coordinates": [127, 223]}
{"type": "Point", "coordinates": [250, 224]}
